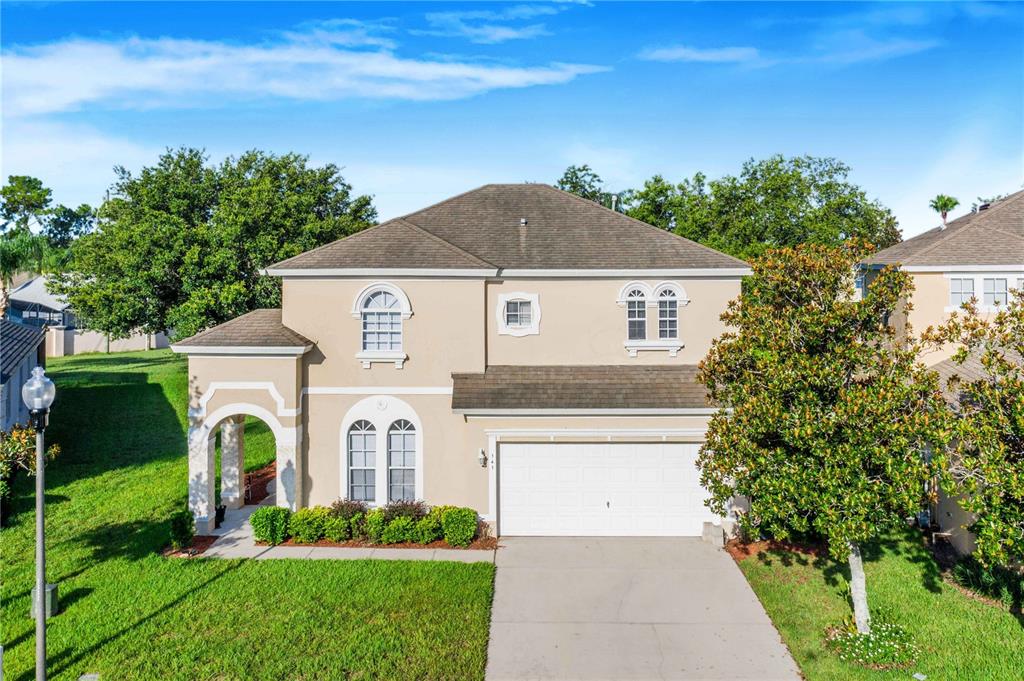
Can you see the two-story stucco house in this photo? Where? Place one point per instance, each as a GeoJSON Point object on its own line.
{"type": "Point", "coordinates": [515, 349]}
{"type": "Point", "coordinates": [979, 255]}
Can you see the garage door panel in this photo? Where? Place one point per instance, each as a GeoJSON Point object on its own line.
{"type": "Point", "coordinates": [593, 489]}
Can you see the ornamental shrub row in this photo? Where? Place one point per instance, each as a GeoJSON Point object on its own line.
{"type": "Point", "coordinates": [397, 523]}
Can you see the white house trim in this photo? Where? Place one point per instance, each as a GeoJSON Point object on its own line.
{"type": "Point", "coordinates": [672, 345]}
{"type": "Point", "coordinates": [369, 289]}
{"type": "Point", "coordinates": [730, 272]}
{"type": "Point", "coordinates": [331, 272]}
{"type": "Point", "coordinates": [495, 435]}
{"type": "Point", "coordinates": [378, 390]}
{"type": "Point", "coordinates": [1012, 277]}
{"type": "Point", "coordinates": [214, 386]}
{"type": "Point", "coordinates": [632, 286]}
{"type": "Point", "coordinates": [691, 411]}
{"type": "Point", "coordinates": [673, 286]}
{"type": "Point", "coordinates": [200, 350]}
{"type": "Point", "coordinates": [518, 331]}
{"type": "Point", "coordinates": [381, 410]}
{"type": "Point", "coordinates": [953, 269]}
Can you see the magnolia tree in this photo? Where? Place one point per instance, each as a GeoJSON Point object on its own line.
{"type": "Point", "coordinates": [987, 454]}
{"type": "Point", "coordinates": [825, 413]}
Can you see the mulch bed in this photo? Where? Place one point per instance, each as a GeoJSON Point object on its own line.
{"type": "Point", "coordinates": [257, 483]}
{"type": "Point", "coordinates": [481, 544]}
{"type": "Point", "coordinates": [740, 550]}
{"type": "Point", "coordinates": [199, 544]}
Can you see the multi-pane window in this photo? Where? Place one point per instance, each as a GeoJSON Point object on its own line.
{"type": "Point", "coordinates": [518, 313]}
{"type": "Point", "coordinates": [995, 292]}
{"type": "Point", "coordinates": [668, 314]}
{"type": "Point", "coordinates": [362, 461]}
{"type": "Point", "coordinates": [382, 322]}
{"type": "Point", "coordinates": [636, 315]}
{"type": "Point", "coordinates": [960, 291]}
{"type": "Point", "coordinates": [401, 461]}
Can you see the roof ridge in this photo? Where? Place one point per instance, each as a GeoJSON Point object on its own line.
{"type": "Point", "coordinates": [323, 246]}
{"type": "Point", "coordinates": [971, 223]}
{"type": "Point", "coordinates": [642, 223]}
{"type": "Point", "coordinates": [444, 242]}
{"type": "Point", "coordinates": [444, 201]}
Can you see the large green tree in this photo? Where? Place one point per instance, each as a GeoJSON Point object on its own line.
{"type": "Point", "coordinates": [584, 182]}
{"type": "Point", "coordinates": [772, 203]}
{"type": "Point", "coordinates": [20, 251]}
{"type": "Point", "coordinates": [825, 414]}
{"type": "Point", "coordinates": [987, 457]}
{"type": "Point", "coordinates": [179, 246]}
{"type": "Point", "coordinates": [24, 202]}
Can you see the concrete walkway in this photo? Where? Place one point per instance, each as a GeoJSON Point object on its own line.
{"type": "Point", "coordinates": [628, 608]}
{"type": "Point", "coordinates": [236, 541]}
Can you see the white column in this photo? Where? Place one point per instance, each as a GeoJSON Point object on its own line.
{"type": "Point", "coordinates": [201, 479]}
{"type": "Point", "coordinates": [232, 462]}
{"type": "Point", "coordinates": [288, 487]}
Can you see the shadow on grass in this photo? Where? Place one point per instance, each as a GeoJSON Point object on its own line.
{"type": "Point", "coordinates": [67, 658]}
{"type": "Point", "coordinates": [132, 540]}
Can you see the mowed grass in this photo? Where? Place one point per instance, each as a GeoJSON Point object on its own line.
{"type": "Point", "coordinates": [129, 613]}
{"type": "Point", "coordinates": [959, 637]}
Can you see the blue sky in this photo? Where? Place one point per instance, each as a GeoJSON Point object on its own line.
{"type": "Point", "coordinates": [419, 101]}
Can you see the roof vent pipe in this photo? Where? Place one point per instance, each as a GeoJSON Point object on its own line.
{"type": "Point", "coordinates": [983, 206]}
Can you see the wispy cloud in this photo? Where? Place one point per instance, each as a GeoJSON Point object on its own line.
{"type": "Point", "coordinates": [490, 26]}
{"type": "Point", "coordinates": [326, 61]}
{"type": "Point", "coordinates": [716, 55]}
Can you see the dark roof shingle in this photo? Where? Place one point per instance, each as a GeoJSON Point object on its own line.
{"type": "Point", "coordinates": [579, 387]}
{"type": "Point", "coordinates": [483, 228]}
{"type": "Point", "coordinates": [257, 329]}
{"type": "Point", "coordinates": [994, 236]}
{"type": "Point", "coordinates": [16, 341]}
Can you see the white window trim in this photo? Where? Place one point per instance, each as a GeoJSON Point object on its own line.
{"type": "Point", "coordinates": [671, 345]}
{"type": "Point", "coordinates": [979, 276]}
{"type": "Point", "coordinates": [381, 411]}
{"type": "Point", "coordinates": [624, 291]}
{"type": "Point", "coordinates": [533, 328]}
{"type": "Point", "coordinates": [368, 357]}
{"type": "Point", "coordinates": [403, 300]}
{"type": "Point", "coordinates": [676, 288]}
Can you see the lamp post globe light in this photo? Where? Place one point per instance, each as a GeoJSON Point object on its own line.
{"type": "Point", "coordinates": [38, 393]}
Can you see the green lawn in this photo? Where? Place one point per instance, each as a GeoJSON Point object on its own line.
{"type": "Point", "coordinates": [128, 613]}
{"type": "Point", "coordinates": [960, 637]}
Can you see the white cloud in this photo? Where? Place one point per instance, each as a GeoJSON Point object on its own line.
{"type": "Point", "coordinates": [490, 26]}
{"type": "Point", "coordinates": [716, 55]}
{"type": "Point", "coordinates": [76, 161]}
{"type": "Point", "coordinates": [319, 63]}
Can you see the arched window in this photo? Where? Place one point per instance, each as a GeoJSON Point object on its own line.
{"type": "Point", "coordinates": [636, 315]}
{"type": "Point", "coordinates": [668, 314]}
{"type": "Point", "coordinates": [382, 322]}
{"type": "Point", "coordinates": [362, 461]}
{"type": "Point", "coordinates": [401, 461]}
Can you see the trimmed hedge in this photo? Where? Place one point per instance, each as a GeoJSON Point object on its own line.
{"type": "Point", "coordinates": [183, 529]}
{"type": "Point", "coordinates": [399, 530]}
{"type": "Point", "coordinates": [405, 509]}
{"type": "Point", "coordinates": [428, 529]}
{"type": "Point", "coordinates": [307, 525]}
{"type": "Point", "coordinates": [459, 526]}
{"type": "Point", "coordinates": [373, 525]}
{"type": "Point", "coordinates": [270, 524]}
{"type": "Point", "coordinates": [337, 529]}
{"type": "Point", "coordinates": [347, 508]}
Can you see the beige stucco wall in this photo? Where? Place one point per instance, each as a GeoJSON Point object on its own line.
{"type": "Point", "coordinates": [282, 373]}
{"type": "Point", "coordinates": [582, 322]}
{"type": "Point", "coordinates": [445, 333]}
{"type": "Point", "coordinates": [953, 519]}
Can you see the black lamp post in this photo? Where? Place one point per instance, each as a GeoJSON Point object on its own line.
{"type": "Point", "coordinates": [38, 393]}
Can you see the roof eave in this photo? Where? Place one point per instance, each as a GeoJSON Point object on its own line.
{"type": "Point", "coordinates": [243, 350]}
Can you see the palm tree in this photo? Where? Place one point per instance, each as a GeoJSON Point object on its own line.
{"type": "Point", "coordinates": [21, 251]}
{"type": "Point", "coordinates": [942, 204]}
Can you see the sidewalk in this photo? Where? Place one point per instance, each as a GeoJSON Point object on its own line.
{"type": "Point", "coordinates": [236, 541]}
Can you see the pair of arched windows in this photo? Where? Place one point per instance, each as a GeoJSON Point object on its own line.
{"type": "Point", "coordinates": [401, 461]}
{"type": "Point", "coordinates": [636, 314]}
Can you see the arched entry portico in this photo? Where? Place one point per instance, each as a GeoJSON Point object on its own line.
{"type": "Point", "coordinates": [230, 418]}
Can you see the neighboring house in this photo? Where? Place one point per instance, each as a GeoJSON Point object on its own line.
{"type": "Point", "coordinates": [33, 304]}
{"type": "Point", "coordinates": [979, 255]}
{"type": "Point", "coordinates": [515, 349]}
{"type": "Point", "coordinates": [21, 349]}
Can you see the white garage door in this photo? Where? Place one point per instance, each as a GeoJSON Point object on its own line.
{"type": "Point", "coordinates": [607, 489]}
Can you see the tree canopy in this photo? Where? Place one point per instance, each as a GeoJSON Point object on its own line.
{"type": "Point", "coordinates": [827, 414]}
{"type": "Point", "coordinates": [987, 458]}
{"type": "Point", "coordinates": [772, 203]}
{"type": "Point", "coordinates": [179, 245]}
{"type": "Point", "coordinates": [584, 182]}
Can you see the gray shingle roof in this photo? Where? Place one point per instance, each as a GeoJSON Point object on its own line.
{"type": "Point", "coordinates": [579, 387]}
{"type": "Point", "coordinates": [16, 341]}
{"type": "Point", "coordinates": [256, 329]}
{"type": "Point", "coordinates": [994, 236]}
{"type": "Point", "coordinates": [967, 372]}
{"type": "Point", "coordinates": [482, 228]}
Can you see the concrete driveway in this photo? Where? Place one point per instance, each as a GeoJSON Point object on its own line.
{"type": "Point", "coordinates": [627, 608]}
